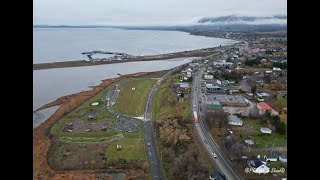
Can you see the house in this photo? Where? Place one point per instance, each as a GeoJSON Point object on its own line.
{"type": "Point", "coordinates": [262, 94]}
{"type": "Point", "coordinates": [189, 75]}
{"type": "Point", "coordinates": [276, 154]}
{"type": "Point", "coordinates": [271, 158]}
{"type": "Point", "coordinates": [249, 141]}
{"type": "Point", "coordinates": [276, 69]}
{"type": "Point", "coordinates": [222, 63]}
{"type": "Point", "coordinates": [216, 175]}
{"type": "Point", "coordinates": [266, 130]}
{"type": "Point", "coordinates": [208, 77]}
{"type": "Point", "coordinates": [214, 89]}
{"type": "Point", "coordinates": [186, 73]}
{"type": "Point", "coordinates": [182, 87]}
{"type": "Point", "coordinates": [283, 158]}
{"type": "Point", "coordinates": [91, 117]}
{"type": "Point", "coordinates": [257, 166]}
{"type": "Point", "coordinates": [259, 82]}
{"type": "Point", "coordinates": [222, 82]}
{"type": "Point", "coordinates": [263, 60]}
{"type": "Point", "coordinates": [263, 107]}
{"type": "Point", "coordinates": [234, 120]}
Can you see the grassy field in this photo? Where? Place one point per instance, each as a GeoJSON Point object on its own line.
{"type": "Point", "coordinates": [132, 102]}
{"type": "Point", "coordinates": [132, 149]}
{"type": "Point", "coordinates": [258, 137]}
{"type": "Point", "coordinates": [254, 69]}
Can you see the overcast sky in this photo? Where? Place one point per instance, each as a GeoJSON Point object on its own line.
{"type": "Point", "coordinates": [147, 12]}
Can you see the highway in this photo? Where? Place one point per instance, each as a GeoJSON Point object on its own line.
{"type": "Point", "coordinates": [221, 161]}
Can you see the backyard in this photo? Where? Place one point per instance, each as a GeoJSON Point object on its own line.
{"type": "Point", "coordinates": [251, 129]}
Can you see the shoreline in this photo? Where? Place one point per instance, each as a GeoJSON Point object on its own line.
{"type": "Point", "coordinates": [78, 63]}
{"type": "Point", "coordinates": [42, 138]}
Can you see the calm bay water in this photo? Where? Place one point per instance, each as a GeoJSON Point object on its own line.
{"type": "Point", "coordinates": [65, 44]}
{"type": "Point", "coordinates": [52, 45]}
{"type": "Point", "coordinates": [51, 84]}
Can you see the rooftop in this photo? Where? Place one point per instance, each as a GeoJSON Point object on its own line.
{"type": "Point", "coordinates": [233, 118]}
{"type": "Point", "coordinates": [264, 106]}
{"type": "Point", "coordinates": [225, 98]}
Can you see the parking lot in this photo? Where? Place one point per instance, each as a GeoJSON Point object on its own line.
{"type": "Point", "coordinates": [126, 124]}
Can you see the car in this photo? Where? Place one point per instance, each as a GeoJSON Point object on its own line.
{"type": "Point", "coordinates": [214, 155]}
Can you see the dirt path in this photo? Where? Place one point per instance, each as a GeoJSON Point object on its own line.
{"type": "Point", "coordinates": [41, 140]}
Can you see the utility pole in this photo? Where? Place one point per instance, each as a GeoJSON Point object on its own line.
{"type": "Point", "coordinates": [272, 148]}
{"type": "Point", "coordinates": [266, 146]}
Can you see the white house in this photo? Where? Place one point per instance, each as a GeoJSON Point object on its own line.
{"type": "Point", "coordinates": [222, 82]}
{"type": "Point", "coordinates": [276, 69]}
{"type": "Point", "coordinates": [208, 77]}
{"type": "Point", "coordinates": [266, 130]}
{"type": "Point", "coordinates": [234, 120]}
{"type": "Point", "coordinates": [262, 94]}
{"type": "Point", "coordinates": [189, 74]}
{"type": "Point", "coordinates": [257, 166]}
{"type": "Point", "coordinates": [222, 63]}
{"type": "Point", "coordinates": [271, 158]}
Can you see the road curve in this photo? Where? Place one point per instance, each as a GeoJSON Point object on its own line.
{"type": "Point", "coordinates": [150, 145]}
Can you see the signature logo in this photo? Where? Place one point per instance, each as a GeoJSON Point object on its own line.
{"type": "Point", "coordinates": [272, 170]}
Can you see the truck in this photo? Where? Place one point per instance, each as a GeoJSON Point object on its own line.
{"type": "Point", "coordinates": [195, 117]}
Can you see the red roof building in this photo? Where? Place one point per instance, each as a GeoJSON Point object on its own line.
{"type": "Point", "coordinates": [263, 107]}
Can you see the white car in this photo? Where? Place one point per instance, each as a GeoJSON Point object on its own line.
{"type": "Point", "coordinates": [214, 155]}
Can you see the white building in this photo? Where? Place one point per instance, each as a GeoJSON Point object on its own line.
{"type": "Point", "coordinates": [283, 158]}
{"type": "Point", "coordinates": [189, 74]}
{"type": "Point", "coordinates": [276, 69]}
{"type": "Point", "coordinates": [208, 77]}
{"type": "Point", "coordinates": [222, 63]}
{"type": "Point", "coordinates": [266, 130]}
{"type": "Point", "coordinates": [234, 120]}
{"type": "Point", "coordinates": [271, 158]}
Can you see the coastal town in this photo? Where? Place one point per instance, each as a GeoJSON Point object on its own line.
{"type": "Point", "coordinates": [221, 116]}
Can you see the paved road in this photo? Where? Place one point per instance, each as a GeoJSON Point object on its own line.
{"type": "Point", "coordinates": [150, 145]}
{"type": "Point", "coordinates": [221, 161]}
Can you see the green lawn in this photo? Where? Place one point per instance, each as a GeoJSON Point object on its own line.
{"type": "Point", "coordinates": [259, 138]}
{"type": "Point", "coordinates": [132, 149]}
{"type": "Point", "coordinates": [132, 102]}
